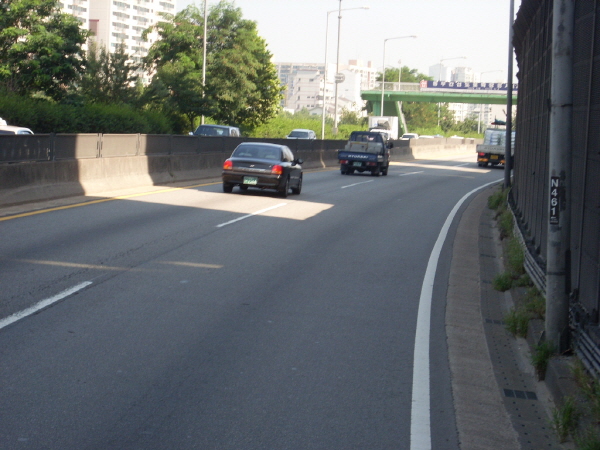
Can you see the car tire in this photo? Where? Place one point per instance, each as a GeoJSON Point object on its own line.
{"type": "Point", "coordinates": [343, 171]}
{"type": "Point", "coordinates": [286, 188]}
{"type": "Point", "coordinates": [227, 188]}
{"type": "Point", "coordinates": [298, 189]}
{"type": "Point", "coordinates": [384, 171]}
{"type": "Point", "coordinates": [243, 187]}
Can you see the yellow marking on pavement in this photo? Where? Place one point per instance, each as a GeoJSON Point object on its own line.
{"type": "Point", "coordinates": [103, 200]}
{"type": "Point", "coordinates": [75, 265]}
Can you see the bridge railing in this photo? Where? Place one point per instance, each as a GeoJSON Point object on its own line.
{"type": "Point", "coordinates": [395, 86]}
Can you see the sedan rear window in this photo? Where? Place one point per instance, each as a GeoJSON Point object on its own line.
{"type": "Point", "coordinates": [257, 151]}
{"type": "Point", "coordinates": [299, 134]}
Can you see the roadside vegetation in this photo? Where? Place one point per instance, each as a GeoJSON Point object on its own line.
{"type": "Point", "coordinates": [49, 83]}
{"type": "Point", "coordinates": [578, 417]}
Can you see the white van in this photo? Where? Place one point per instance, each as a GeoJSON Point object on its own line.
{"type": "Point", "coordinates": [10, 129]}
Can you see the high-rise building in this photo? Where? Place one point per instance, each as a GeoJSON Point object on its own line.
{"type": "Point", "coordinates": [115, 22]}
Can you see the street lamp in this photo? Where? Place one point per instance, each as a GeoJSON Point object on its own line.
{"type": "Point", "coordinates": [481, 106]}
{"type": "Point", "coordinates": [440, 79]}
{"type": "Point", "coordinates": [325, 72]}
{"type": "Point", "coordinates": [204, 55]}
{"type": "Point", "coordinates": [383, 65]}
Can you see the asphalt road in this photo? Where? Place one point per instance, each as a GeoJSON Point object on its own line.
{"type": "Point", "coordinates": [193, 319]}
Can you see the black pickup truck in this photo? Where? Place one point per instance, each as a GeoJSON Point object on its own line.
{"type": "Point", "coordinates": [365, 152]}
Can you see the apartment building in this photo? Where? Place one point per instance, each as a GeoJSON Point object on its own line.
{"type": "Point", "coordinates": [115, 22]}
{"type": "Point", "coordinates": [306, 85]}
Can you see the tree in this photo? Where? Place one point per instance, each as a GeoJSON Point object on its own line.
{"type": "Point", "coordinates": [109, 77]}
{"type": "Point", "coordinates": [40, 47]}
{"type": "Point", "coordinates": [242, 87]}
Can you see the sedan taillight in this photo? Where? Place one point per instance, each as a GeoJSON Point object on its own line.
{"type": "Point", "coordinates": [228, 165]}
{"type": "Point", "coordinates": [276, 169]}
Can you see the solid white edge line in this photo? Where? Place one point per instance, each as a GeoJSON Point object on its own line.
{"type": "Point", "coordinates": [252, 214]}
{"type": "Point", "coordinates": [41, 305]}
{"type": "Point", "coordinates": [420, 421]}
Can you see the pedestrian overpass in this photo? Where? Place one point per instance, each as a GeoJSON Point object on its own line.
{"type": "Point", "coordinates": [394, 93]}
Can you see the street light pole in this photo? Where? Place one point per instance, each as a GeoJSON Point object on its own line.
{"type": "Point", "coordinates": [204, 55]}
{"type": "Point", "coordinates": [440, 78]}
{"type": "Point", "coordinates": [383, 68]}
{"type": "Point", "coordinates": [337, 71]}
{"type": "Point", "coordinates": [325, 71]}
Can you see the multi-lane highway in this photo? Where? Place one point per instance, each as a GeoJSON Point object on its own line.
{"type": "Point", "coordinates": [194, 319]}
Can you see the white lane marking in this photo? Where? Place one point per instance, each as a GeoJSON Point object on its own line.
{"type": "Point", "coordinates": [43, 304]}
{"type": "Point", "coordinates": [462, 165]}
{"type": "Point", "coordinates": [251, 215]}
{"type": "Point", "coordinates": [420, 421]}
{"type": "Point", "coordinates": [410, 173]}
{"type": "Point", "coordinates": [356, 184]}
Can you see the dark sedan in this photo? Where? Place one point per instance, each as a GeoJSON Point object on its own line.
{"type": "Point", "coordinates": [264, 166]}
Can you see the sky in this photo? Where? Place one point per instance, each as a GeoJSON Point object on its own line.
{"type": "Point", "coordinates": [295, 31]}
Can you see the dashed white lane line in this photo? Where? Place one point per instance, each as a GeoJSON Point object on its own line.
{"type": "Point", "coordinates": [410, 173]}
{"type": "Point", "coordinates": [356, 184]}
{"type": "Point", "coordinates": [251, 215]}
{"type": "Point", "coordinates": [41, 305]}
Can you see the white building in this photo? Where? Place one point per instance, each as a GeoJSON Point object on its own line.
{"type": "Point", "coordinates": [115, 22]}
{"type": "Point", "coordinates": [306, 85]}
{"type": "Point", "coordinates": [304, 90]}
{"type": "Point", "coordinates": [78, 8]}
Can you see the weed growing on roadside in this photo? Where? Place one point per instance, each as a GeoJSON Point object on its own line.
{"type": "Point", "coordinates": [517, 322]}
{"type": "Point", "coordinates": [535, 303]}
{"type": "Point", "coordinates": [497, 199]}
{"type": "Point", "coordinates": [540, 357]}
{"type": "Point", "coordinates": [588, 439]}
{"type": "Point", "coordinates": [505, 224]}
{"type": "Point", "coordinates": [502, 282]}
{"type": "Point", "coordinates": [515, 256]}
{"type": "Point", "coordinates": [565, 419]}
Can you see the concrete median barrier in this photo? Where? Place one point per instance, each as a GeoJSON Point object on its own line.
{"type": "Point", "coordinates": [91, 164]}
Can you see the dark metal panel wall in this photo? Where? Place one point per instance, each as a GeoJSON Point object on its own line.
{"type": "Point", "coordinates": [533, 40]}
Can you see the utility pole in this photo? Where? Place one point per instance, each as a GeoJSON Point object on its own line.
{"type": "Point", "coordinates": [559, 210]}
{"type": "Point", "coordinates": [204, 54]}
{"type": "Point", "coordinates": [508, 158]}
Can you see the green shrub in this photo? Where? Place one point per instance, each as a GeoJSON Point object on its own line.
{"type": "Point", "coordinates": [589, 439]}
{"type": "Point", "coordinates": [565, 419]}
{"type": "Point", "coordinates": [502, 282]}
{"type": "Point", "coordinates": [505, 224]}
{"type": "Point", "coordinates": [535, 303]}
{"type": "Point", "coordinates": [497, 199]}
{"type": "Point", "coordinates": [515, 256]}
{"type": "Point", "coordinates": [517, 322]}
{"type": "Point", "coordinates": [540, 358]}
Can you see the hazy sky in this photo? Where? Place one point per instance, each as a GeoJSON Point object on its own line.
{"type": "Point", "coordinates": [295, 31]}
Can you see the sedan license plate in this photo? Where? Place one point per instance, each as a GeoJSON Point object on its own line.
{"type": "Point", "coordinates": [357, 163]}
{"type": "Point", "coordinates": [494, 157]}
{"type": "Point", "coordinates": [251, 180]}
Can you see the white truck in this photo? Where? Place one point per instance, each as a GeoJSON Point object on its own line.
{"type": "Point", "coordinates": [493, 149]}
{"type": "Point", "coordinates": [386, 125]}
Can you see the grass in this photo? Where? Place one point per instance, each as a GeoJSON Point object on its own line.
{"type": "Point", "coordinates": [517, 322]}
{"type": "Point", "coordinates": [540, 358]}
{"type": "Point", "coordinates": [502, 282]}
{"type": "Point", "coordinates": [565, 419]}
{"type": "Point", "coordinates": [588, 439]}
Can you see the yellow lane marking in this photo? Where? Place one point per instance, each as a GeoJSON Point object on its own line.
{"type": "Point", "coordinates": [93, 202]}
{"type": "Point", "coordinates": [75, 265]}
